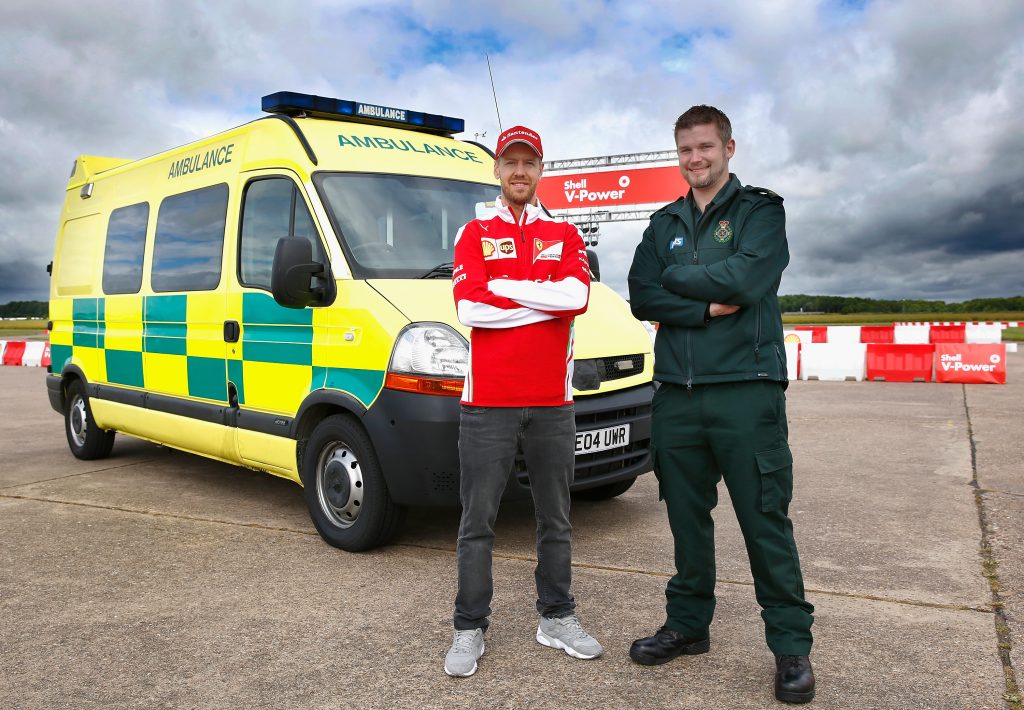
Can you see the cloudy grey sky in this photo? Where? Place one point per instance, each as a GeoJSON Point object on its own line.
{"type": "Point", "coordinates": [893, 128]}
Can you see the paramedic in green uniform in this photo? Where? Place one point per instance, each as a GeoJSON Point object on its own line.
{"type": "Point", "coordinates": [707, 271]}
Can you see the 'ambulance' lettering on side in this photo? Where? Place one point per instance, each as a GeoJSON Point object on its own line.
{"type": "Point", "coordinates": [353, 141]}
{"type": "Point", "coordinates": [201, 161]}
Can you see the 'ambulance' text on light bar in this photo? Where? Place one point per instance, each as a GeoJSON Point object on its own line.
{"type": "Point", "coordinates": [292, 103]}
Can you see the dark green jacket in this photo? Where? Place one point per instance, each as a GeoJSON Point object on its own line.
{"type": "Point", "coordinates": [733, 254]}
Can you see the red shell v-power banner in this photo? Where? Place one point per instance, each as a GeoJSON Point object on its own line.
{"type": "Point", "coordinates": [633, 186]}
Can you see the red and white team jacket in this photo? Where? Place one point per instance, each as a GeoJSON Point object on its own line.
{"type": "Point", "coordinates": [519, 286]}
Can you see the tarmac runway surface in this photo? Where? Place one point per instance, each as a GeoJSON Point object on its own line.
{"type": "Point", "coordinates": [156, 578]}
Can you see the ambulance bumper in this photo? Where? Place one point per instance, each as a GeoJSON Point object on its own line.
{"type": "Point", "coordinates": [416, 438]}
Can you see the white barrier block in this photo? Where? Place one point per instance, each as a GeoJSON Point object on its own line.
{"type": "Point", "coordinates": [33, 356]}
{"type": "Point", "coordinates": [983, 333]}
{"type": "Point", "coordinates": [1011, 347]}
{"type": "Point", "coordinates": [3, 344]}
{"type": "Point", "coordinates": [793, 360]}
{"type": "Point", "coordinates": [843, 334]}
{"type": "Point", "coordinates": [833, 361]}
{"type": "Point", "coordinates": [911, 334]}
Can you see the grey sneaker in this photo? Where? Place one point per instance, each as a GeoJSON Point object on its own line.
{"type": "Point", "coordinates": [467, 646]}
{"type": "Point", "coordinates": [567, 634]}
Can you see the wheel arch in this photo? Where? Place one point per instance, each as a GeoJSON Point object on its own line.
{"type": "Point", "coordinates": [318, 406]}
{"type": "Point", "coordinates": [70, 374]}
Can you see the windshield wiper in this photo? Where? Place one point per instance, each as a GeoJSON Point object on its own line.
{"type": "Point", "coordinates": [444, 269]}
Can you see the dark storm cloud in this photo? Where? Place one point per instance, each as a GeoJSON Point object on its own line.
{"type": "Point", "coordinates": [24, 279]}
{"type": "Point", "coordinates": [891, 128]}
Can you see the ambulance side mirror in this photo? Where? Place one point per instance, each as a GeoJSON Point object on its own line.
{"type": "Point", "coordinates": [293, 273]}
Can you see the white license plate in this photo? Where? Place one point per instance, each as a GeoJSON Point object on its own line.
{"type": "Point", "coordinates": [589, 442]}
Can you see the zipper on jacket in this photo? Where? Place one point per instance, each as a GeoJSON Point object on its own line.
{"type": "Point", "coordinates": [689, 366]}
{"type": "Point", "coordinates": [757, 338]}
{"type": "Point", "coordinates": [708, 209]}
{"type": "Point", "coordinates": [696, 234]}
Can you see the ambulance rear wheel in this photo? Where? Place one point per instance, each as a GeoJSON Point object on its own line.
{"type": "Point", "coordinates": [86, 440]}
{"type": "Point", "coordinates": [344, 487]}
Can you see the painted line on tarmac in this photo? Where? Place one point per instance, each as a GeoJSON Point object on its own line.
{"type": "Point", "coordinates": [736, 582]}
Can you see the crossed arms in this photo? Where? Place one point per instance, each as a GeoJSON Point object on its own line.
{"type": "Point", "coordinates": [683, 294]}
{"type": "Point", "coordinates": [509, 303]}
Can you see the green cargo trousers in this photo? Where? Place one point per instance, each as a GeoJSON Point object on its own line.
{"type": "Point", "coordinates": [736, 431]}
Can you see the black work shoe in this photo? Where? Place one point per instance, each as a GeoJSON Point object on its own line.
{"type": "Point", "coordinates": [665, 645]}
{"type": "Point", "coordinates": [794, 679]}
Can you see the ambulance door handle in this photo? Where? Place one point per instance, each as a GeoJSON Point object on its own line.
{"type": "Point", "coordinates": [232, 331]}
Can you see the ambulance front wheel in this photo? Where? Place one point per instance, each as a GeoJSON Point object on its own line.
{"type": "Point", "coordinates": [344, 488]}
{"type": "Point", "coordinates": [87, 441]}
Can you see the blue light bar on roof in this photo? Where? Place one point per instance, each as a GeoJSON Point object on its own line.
{"type": "Point", "coordinates": [293, 104]}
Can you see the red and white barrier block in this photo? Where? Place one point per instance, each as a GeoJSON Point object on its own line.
{"type": "Point", "coordinates": [900, 363]}
{"type": "Point", "coordinates": [983, 333]}
{"type": "Point", "coordinates": [33, 356]}
{"type": "Point", "coordinates": [843, 334]}
{"type": "Point", "coordinates": [1000, 323]}
{"type": "Point", "coordinates": [31, 353]}
{"type": "Point", "coordinates": [911, 334]}
{"type": "Point", "coordinates": [793, 358]}
{"type": "Point", "coordinates": [832, 361]}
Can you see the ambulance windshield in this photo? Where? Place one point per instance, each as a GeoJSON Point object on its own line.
{"type": "Point", "coordinates": [400, 226]}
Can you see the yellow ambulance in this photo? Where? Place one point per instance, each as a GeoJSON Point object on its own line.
{"type": "Point", "coordinates": [278, 296]}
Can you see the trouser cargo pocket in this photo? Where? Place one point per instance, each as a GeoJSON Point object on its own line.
{"type": "Point", "coordinates": [656, 467]}
{"type": "Point", "coordinates": [776, 469]}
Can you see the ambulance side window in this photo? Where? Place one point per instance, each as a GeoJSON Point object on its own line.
{"type": "Point", "coordinates": [126, 244]}
{"type": "Point", "coordinates": [189, 241]}
{"type": "Point", "coordinates": [272, 209]}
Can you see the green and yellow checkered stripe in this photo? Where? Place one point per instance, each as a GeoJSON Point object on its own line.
{"type": "Point", "coordinates": [173, 344]}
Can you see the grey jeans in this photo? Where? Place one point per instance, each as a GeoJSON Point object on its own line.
{"type": "Point", "coordinates": [489, 439]}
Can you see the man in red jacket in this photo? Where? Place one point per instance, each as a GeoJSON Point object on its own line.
{"type": "Point", "coordinates": [519, 279]}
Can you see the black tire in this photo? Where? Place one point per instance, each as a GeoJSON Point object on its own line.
{"type": "Point", "coordinates": [605, 492]}
{"type": "Point", "coordinates": [86, 440]}
{"type": "Point", "coordinates": [344, 487]}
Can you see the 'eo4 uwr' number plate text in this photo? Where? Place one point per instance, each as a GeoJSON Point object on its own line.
{"type": "Point", "coordinates": [589, 442]}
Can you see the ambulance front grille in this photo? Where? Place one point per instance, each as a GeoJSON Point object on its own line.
{"type": "Point", "coordinates": [616, 367]}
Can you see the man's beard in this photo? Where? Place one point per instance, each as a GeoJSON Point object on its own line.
{"type": "Point", "coordinates": [509, 200]}
{"type": "Point", "coordinates": [710, 179]}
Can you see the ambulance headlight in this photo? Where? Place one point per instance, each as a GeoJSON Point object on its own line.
{"type": "Point", "coordinates": [431, 349]}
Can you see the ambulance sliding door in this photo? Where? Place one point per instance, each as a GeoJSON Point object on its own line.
{"type": "Point", "coordinates": [183, 359]}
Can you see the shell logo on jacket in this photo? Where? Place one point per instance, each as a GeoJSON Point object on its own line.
{"type": "Point", "coordinates": [519, 286]}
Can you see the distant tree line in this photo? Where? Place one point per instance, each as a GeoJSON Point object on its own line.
{"type": "Point", "coordinates": [24, 309]}
{"type": "Point", "coordinates": [842, 304]}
